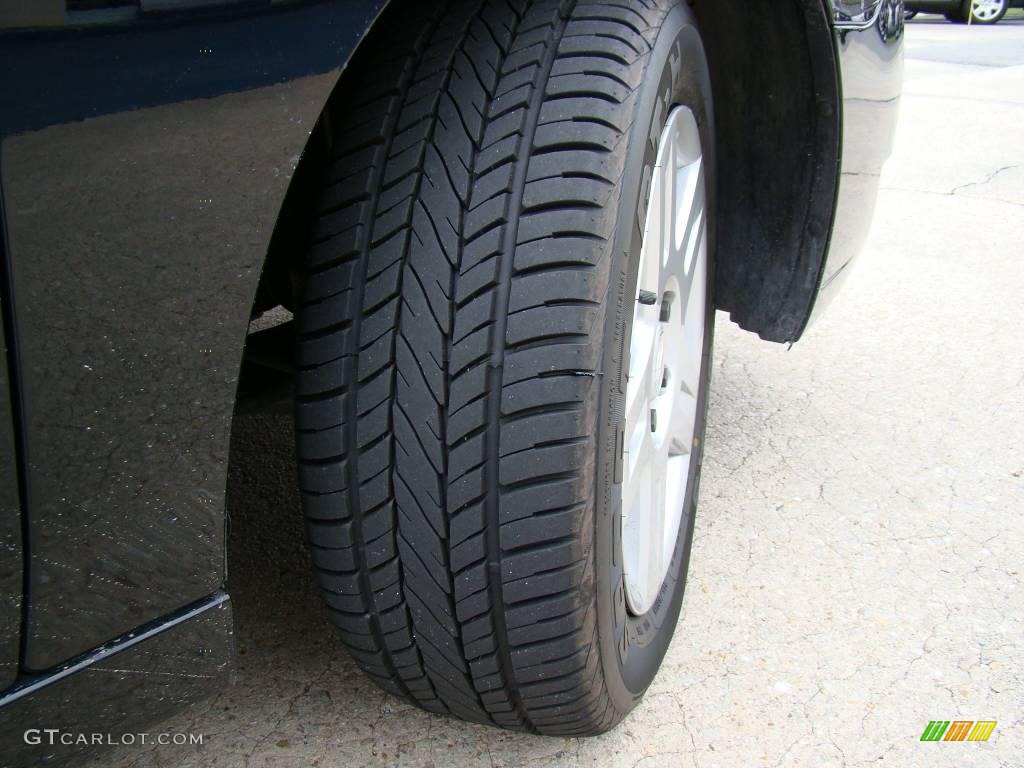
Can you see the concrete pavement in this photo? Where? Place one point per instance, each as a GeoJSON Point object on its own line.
{"type": "Point", "coordinates": [858, 563]}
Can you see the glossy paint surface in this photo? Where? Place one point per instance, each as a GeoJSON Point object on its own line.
{"type": "Point", "coordinates": [11, 565]}
{"type": "Point", "coordinates": [871, 61]}
{"type": "Point", "coordinates": [144, 165]}
{"type": "Point", "coordinates": [122, 688]}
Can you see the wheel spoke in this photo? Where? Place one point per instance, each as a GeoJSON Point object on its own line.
{"type": "Point", "coordinates": [693, 323]}
{"type": "Point", "coordinates": [636, 391]}
{"type": "Point", "coordinates": [690, 179]}
{"type": "Point", "coordinates": [655, 570]}
{"type": "Point", "coordinates": [682, 423]}
{"type": "Point", "coordinates": [695, 221]}
{"type": "Point", "coordinates": [639, 449]}
{"type": "Point", "coordinates": [669, 208]}
{"type": "Point", "coordinates": [649, 278]}
{"type": "Point", "coordinates": [636, 510]}
{"type": "Point", "coordinates": [690, 231]}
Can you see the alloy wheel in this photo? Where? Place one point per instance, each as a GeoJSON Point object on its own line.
{"type": "Point", "coordinates": [665, 353]}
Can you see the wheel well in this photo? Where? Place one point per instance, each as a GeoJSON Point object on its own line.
{"type": "Point", "coordinates": [776, 88]}
{"type": "Point", "coordinates": [266, 374]}
{"type": "Point", "coordinates": [278, 282]}
{"type": "Point", "coordinates": [775, 81]}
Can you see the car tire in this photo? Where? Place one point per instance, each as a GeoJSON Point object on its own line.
{"type": "Point", "coordinates": [464, 334]}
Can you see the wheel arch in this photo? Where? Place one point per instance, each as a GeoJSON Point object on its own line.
{"type": "Point", "coordinates": [267, 368]}
{"type": "Point", "coordinates": [276, 285]}
{"type": "Point", "coordinates": [778, 129]}
{"type": "Point", "coordinates": [776, 85]}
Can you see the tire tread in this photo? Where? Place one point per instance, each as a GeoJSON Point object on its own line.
{"type": "Point", "coordinates": [447, 370]}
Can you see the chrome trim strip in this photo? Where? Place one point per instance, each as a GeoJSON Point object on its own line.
{"type": "Point", "coordinates": [852, 25]}
{"type": "Point", "coordinates": [115, 646]}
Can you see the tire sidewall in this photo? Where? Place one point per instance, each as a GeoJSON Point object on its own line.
{"type": "Point", "coordinates": [632, 648]}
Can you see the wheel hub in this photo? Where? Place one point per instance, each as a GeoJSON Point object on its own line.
{"type": "Point", "coordinates": [665, 352]}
